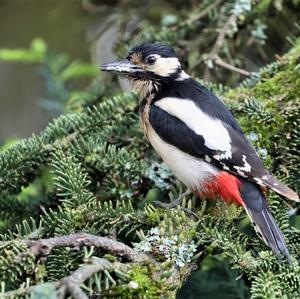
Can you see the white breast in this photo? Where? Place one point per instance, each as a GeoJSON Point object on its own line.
{"type": "Point", "coordinates": [188, 169]}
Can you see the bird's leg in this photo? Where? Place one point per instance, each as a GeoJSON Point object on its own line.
{"type": "Point", "coordinates": [174, 203]}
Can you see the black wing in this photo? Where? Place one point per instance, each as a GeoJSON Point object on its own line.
{"type": "Point", "coordinates": [202, 97]}
{"type": "Point", "coordinates": [174, 131]}
{"type": "Point", "coordinates": [243, 162]}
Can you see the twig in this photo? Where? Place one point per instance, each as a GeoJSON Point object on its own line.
{"type": "Point", "coordinates": [71, 284]}
{"type": "Point", "coordinates": [203, 12]}
{"type": "Point", "coordinates": [218, 61]}
{"type": "Point", "coordinates": [218, 44]}
{"type": "Point", "coordinates": [43, 247]}
{"type": "Point", "coordinates": [174, 203]}
{"type": "Point", "coordinates": [221, 36]}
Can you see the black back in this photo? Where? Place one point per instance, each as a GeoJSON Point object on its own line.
{"type": "Point", "coordinates": [206, 100]}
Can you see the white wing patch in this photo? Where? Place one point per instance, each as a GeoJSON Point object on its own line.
{"type": "Point", "coordinates": [215, 135]}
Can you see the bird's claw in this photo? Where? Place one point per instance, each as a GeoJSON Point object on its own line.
{"type": "Point", "coordinates": [175, 203]}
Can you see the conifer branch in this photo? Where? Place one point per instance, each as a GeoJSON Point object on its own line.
{"type": "Point", "coordinates": [71, 284]}
{"type": "Point", "coordinates": [43, 247]}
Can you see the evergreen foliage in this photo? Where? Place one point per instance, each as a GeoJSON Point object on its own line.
{"type": "Point", "coordinates": [91, 170]}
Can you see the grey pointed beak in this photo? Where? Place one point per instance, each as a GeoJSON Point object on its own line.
{"type": "Point", "coordinates": [121, 67]}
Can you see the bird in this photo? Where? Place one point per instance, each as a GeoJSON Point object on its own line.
{"type": "Point", "coordinates": [199, 139]}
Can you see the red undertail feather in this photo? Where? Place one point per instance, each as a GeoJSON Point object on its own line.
{"type": "Point", "coordinates": [224, 186]}
{"type": "Point", "coordinates": [249, 195]}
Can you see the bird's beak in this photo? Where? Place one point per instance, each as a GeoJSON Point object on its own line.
{"type": "Point", "coordinates": [122, 67]}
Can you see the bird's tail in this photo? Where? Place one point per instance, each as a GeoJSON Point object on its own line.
{"type": "Point", "coordinates": [258, 210]}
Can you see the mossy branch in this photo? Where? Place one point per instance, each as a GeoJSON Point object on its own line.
{"type": "Point", "coordinates": [71, 285]}
{"type": "Point", "coordinates": [43, 247]}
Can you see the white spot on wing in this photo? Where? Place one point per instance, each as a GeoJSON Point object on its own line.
{"type": "Point", "coordinates": [225, 155]}
{"type": "Point", "coordinates": [225, 167]}
{"type": "Point", "coordinates": [207, 158]}
{"type": "Point", "coordinates": [242, 174]}
{"type": "Point", "coordinates": [191, 171]}
{"type": "Point", "coordinates": [259, 181]}
{"type": "Point", "coordinates": [215, 135]}
{"type": "Point", "coordinates": [246, 167]}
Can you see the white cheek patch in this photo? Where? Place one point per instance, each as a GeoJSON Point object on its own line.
{"type": "Point", "coordinates": [215, 135]}
{"type": "Point", "coordinates": [164, 67]}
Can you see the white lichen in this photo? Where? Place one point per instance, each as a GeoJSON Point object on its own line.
{"type": "Point", "coordinates": [133, 285]}
{"type": "Point", "coordinates": [160, 174]}
{"type": "Point", "coordinates": [168, 247]}
{"type": "Point", "coordinates": [253, 136]}
{"type": "Point", "coordinates": [263, 153]}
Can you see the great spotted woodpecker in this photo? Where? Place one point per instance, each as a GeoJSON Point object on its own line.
{"type": "Point", "coordinates": [199, 139]}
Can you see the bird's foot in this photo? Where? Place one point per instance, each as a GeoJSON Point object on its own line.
{"type": "Point", "coordinates": [175, 203]}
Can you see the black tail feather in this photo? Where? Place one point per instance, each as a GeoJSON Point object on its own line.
{"type": "Point", "coordinates": [257, 208]}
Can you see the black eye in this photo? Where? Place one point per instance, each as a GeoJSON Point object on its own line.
{"type": "Point", "coordinates": [150, 59]}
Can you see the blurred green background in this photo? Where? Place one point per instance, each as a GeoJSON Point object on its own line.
{"type": "Point", "coordinates": [62, 25]}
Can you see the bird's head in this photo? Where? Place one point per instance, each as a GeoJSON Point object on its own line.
{"type": "Point", "coordinates": [148, 66]}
